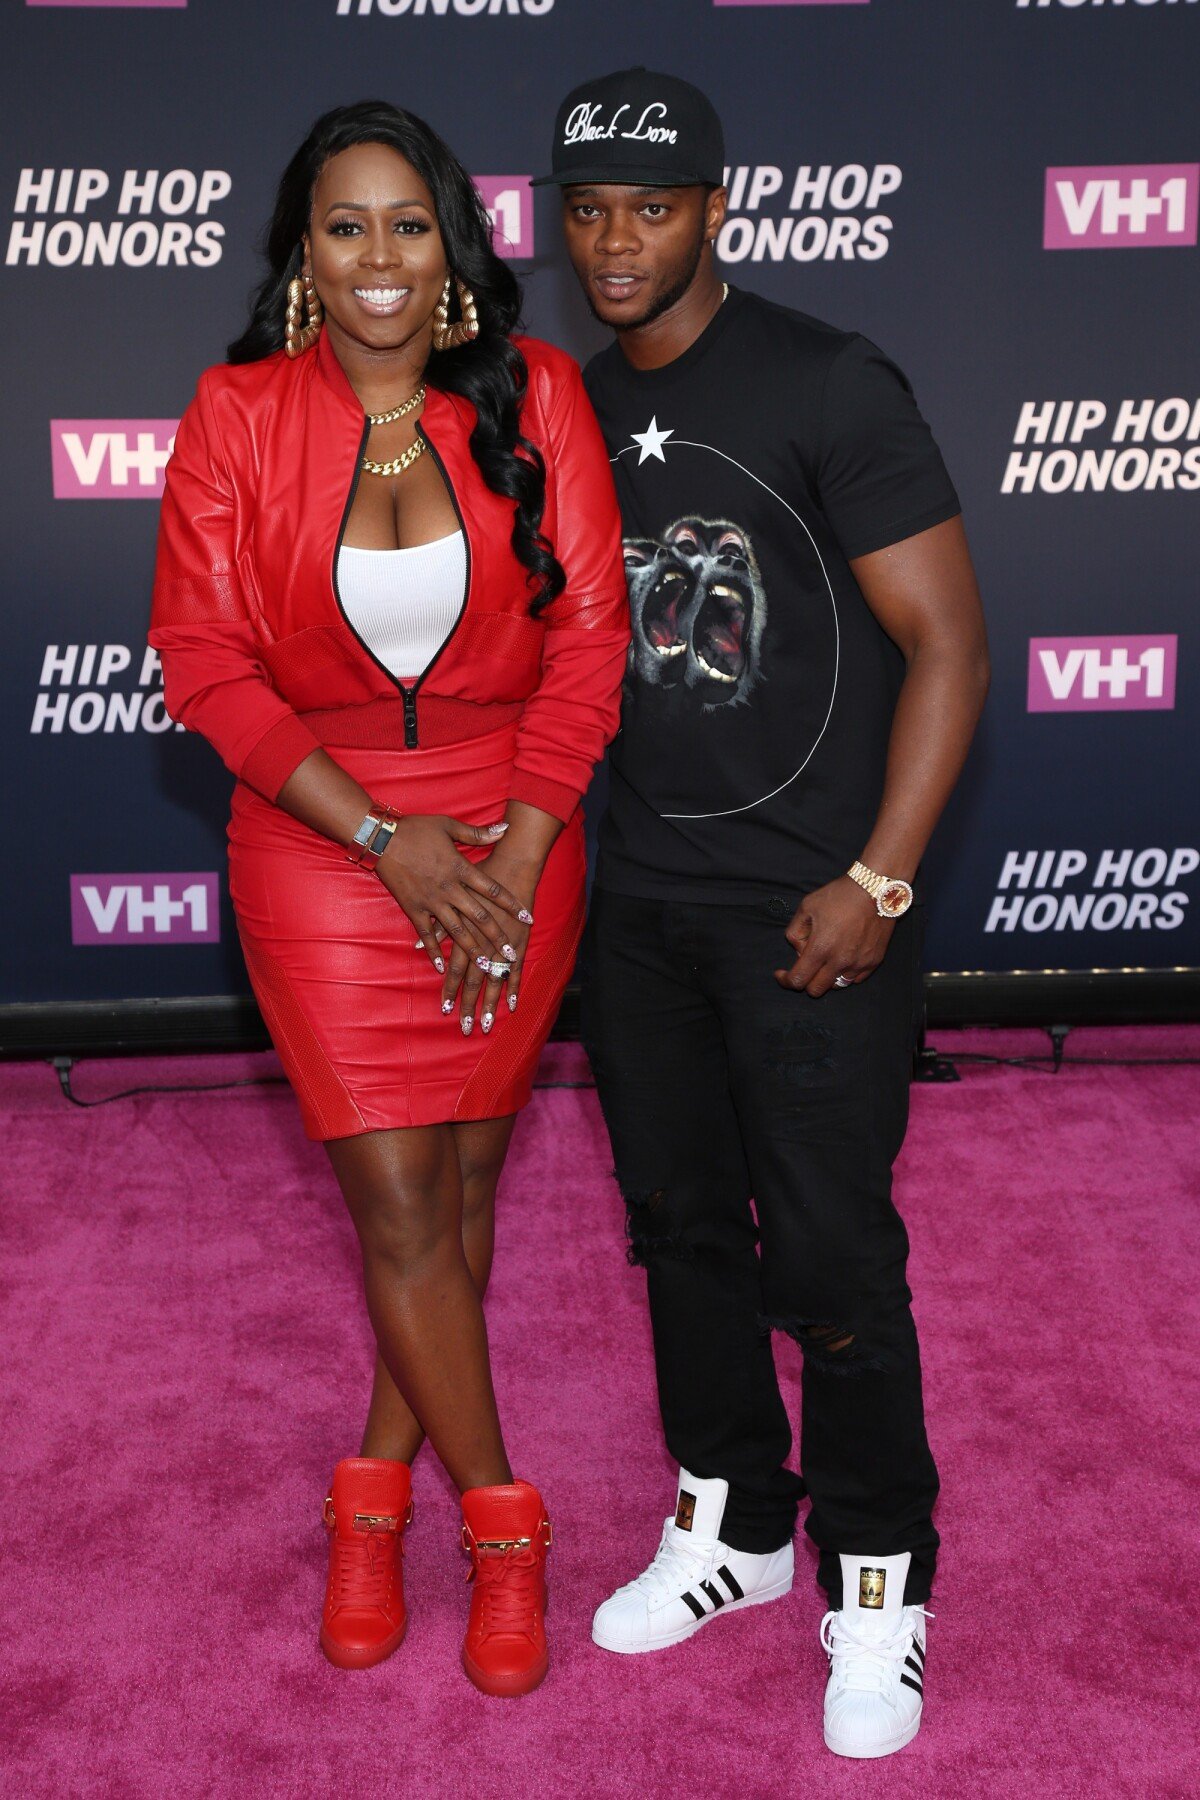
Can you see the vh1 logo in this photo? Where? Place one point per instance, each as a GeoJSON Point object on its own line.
{"type": "Point", "coordinates": [110, 459]}
{"type": "Point", "coordinates": [144, 909]}
{"type": "Point", "coordinates": [1102, 674]}
{"type": "Point", "coordinates": [1121, 207]}
{"type": "Point", "coordinates": [509, 201]}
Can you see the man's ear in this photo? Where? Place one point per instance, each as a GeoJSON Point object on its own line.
{"type": "Point", "coordinates": [714, 213]}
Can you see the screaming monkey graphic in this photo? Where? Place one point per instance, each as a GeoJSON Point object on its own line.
{"type": "Point", "coordinates": [699, 610]}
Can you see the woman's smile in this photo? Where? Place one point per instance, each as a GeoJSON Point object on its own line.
{"type": "Point", "coordinates": [382, 302]}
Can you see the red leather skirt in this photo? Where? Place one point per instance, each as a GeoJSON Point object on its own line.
{"type": "Point", "coordinates": [353, 1009]}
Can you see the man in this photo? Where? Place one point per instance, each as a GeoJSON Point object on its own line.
{"type": "Point", "coordinates": [808, 666]}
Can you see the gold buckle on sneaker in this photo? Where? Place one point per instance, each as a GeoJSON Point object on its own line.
{"type": "Point", "coordinates": [367, 1521]}
{"type": "Point", "coordinates": [521, 1543]}
{"type": "Point", "coordinates": [376, 1522]}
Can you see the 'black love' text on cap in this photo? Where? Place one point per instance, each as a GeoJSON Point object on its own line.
{"type": "Point", "coordinates": [640, 129]}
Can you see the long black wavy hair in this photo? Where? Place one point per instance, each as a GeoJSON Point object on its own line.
{"type": "Point", "coordinates": [490, 372]}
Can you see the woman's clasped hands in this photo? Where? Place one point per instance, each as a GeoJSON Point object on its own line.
{"type": "Point", "coordinates": [453, 901]}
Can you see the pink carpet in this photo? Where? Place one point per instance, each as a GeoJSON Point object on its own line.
{"type": "Point", "coordinates": [187, 1356]}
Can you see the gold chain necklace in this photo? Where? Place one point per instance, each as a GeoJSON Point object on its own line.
{"type": "Point", "coordinates": [398, 464]}
{"type": "Point", "coordinates": [398, 412]}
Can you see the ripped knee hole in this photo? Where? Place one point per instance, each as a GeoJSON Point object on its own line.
{"type": "Point", "coordinates": [650, 1229]}
{"type": "Point", "coordinates": [834, 1349]}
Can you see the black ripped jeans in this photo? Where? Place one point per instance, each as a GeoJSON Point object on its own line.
{"type": "Point", "coordinates": [720, 1088]}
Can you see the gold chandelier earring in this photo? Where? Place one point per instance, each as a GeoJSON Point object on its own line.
{"type": "Point", "coordinates": [447, 336]}
{"type": "Point", "coordinates": [302, 301]}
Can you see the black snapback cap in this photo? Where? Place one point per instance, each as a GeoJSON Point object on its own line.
{"type": "Point", "coordinates": [639, 129]}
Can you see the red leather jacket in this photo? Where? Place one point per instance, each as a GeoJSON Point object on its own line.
{"type": "Point", "coordinates": [256, 652]}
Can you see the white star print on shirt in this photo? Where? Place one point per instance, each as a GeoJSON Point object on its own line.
{"type": "Point", "coordinates": [652, 441]}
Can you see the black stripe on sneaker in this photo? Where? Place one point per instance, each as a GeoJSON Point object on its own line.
{"type": "Point", "coordinates": [731, 1582]}
{"type": "Point", "coordinates": [914, 1685]}
{"type": "Point", "coordinates": [915, 1667]}
{"type": "Point", "coordinates": [920, 1652]}
{"type": "Point", "coordinates": [696, 1605]}
{"type": "Point", "coordinates": [714, 1594]}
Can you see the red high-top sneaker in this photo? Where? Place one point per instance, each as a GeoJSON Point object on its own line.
{"type": "Point", "coordinates": [364, 1617]}
{"type": "Point", "coordinates": [507, 1533]}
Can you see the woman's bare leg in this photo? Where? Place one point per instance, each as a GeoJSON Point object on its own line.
{"type": "Point", "coordinates": [422, 1204]}
{"type": "Point", "coordinates": [391, 1429]}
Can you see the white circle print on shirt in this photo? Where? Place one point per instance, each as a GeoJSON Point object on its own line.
{"type": "Point", "coordinates": [733, 664]}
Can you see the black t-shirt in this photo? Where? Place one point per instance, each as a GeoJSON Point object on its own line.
{"type": "Point", "coordinates": [760, 689]}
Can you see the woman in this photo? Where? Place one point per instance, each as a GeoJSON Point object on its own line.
{"type": "Point", "coordinates": [390, 593]}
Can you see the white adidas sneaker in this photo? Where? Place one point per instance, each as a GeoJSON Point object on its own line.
{"type": "Point", "coordinates": [876, 1650]}
{"type": "Point", "coordinates": [693, 1577]}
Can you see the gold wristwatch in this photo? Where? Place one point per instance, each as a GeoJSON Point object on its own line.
{"type": "Point", "coordinates": [892, 896]}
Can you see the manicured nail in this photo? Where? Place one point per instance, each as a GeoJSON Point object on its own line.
{"type": "Point", "coordinates": [439, 965]}
{"type": "Point", "coordinates": [484, 963]}
{"type": "Point", "coordinates": [512, 1003]}
{"type": "Point", "coordinates": [498, 830]}
{"type": "Point", "coordinates": [525, 917]}
{"type": "Point", "coordinates": [447, 1006]}
{"type": "Point", "coordinates": [420, 944]}
{"type": "Point", "coordinates": [467, 1023]}
{"type": "Point", "coordinates": [509, 952]}
{"type": "Point", "coordinates": [487, 1021]}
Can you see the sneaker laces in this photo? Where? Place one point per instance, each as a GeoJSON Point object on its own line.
{"type": "Point", "coordinates": [506, 1591]}
{"type": "Point", "coordinates": [361, 1569]}
{"type": "Point", "coordinates": [866, 1662]}
{"type": "Point", "coordinates": [673, 1565]}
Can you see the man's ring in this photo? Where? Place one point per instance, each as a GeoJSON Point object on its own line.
{"type": "Point", "coordinates": [842, 981]}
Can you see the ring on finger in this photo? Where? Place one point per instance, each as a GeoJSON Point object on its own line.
{"type": "Point", "coordinates": [842, 981]}
{"type": "Point", "coordinates": [497, 970]}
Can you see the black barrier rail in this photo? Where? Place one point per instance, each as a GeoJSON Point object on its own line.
{"type": "Point", "coordinates": [1038, 997]}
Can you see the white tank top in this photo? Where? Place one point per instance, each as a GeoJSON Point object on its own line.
{"type": "Point", "coordinates": [404, 603]}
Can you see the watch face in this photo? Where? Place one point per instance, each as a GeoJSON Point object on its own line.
{"type": "Point", "coordinates": [895, 899]}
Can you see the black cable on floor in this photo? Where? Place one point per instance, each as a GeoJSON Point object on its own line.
{"type": "Point", "coordinates": [62, 1066]}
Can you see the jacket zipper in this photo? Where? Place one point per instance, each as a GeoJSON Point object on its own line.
{"type": "Point", "coordinates": [407, 691]}
{"type": "Point", "coordinates": [410, 694]}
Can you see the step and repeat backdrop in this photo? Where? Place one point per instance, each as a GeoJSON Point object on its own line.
{"type": "Point", "coordinates": [1003, 193]}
